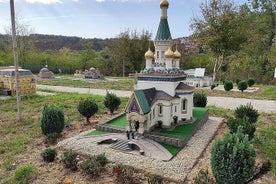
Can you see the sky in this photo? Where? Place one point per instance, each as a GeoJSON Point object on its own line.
{"type": "Point", "coordinates": [100, 18]}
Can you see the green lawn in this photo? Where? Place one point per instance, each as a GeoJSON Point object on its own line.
{"type": "Point", "coordinates": [96, 132]}
{"type": "Point", "coordinates": [183, 131]}
{"type": "Point", "coordinates": [172, 149]}
{"type": "Point", "coordinates": [117, 83]}
{"type": "Point", "coordinates": [119, 122]}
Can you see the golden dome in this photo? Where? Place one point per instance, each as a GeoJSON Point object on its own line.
{"type": "Point", "coordinates": [149, 54]}
{"type": "Point", "coordinates": [164, 3]}
{"type": "Point", "coordinates": [177, 54]}
{"type": "Point", "coordinates": [169, 53]}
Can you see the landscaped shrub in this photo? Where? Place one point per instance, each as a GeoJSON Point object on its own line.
{"type": "Point", "coordinates": [123, 174]}
{"type": "Point", "coordinates": [246, 112]}
{"type": "Point", "coordinates": [52, 138]}
{"type": "Point", "coordinates": [155, 179]}
{"type": "Point", "coordinates": [69, 160]}
{"type": "Point", "coordinates": [52, 120]}
{"type": "Point", "coordinates": [247, 127]}
{"type": "Point", "coordinates": [233, 159]}
{"type": "Point", "coordinates": [250, 82]}
{"type": "Point", "coordinates": [237, 81]}
{"type": "Point", "coordinates": [242, 85]}
{"type": "Point", "coordinates": [92, 167]}
{"type": "Point", "coordinates": [228, 85]}
{"type": "Point", "coordinates": [213, 86]}
{"type": "Point", "coordinates": [25, 174]}
{"type": "Point", "coordinates": [200, 100]}
{"type": "Point", "coordinates": [49, 154]}
{"type": "Point", "coordinates": [203, 177]}
{"type": "Point", "coordinates": [87, 107]}
{"type": "Point", "coordinates": [112, 102]}
{"type": "Point", "coordinates": [102, 159]}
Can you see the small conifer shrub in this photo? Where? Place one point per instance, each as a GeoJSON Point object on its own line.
{"type": "Point", "coordinates": [246, 112]}
{"type": "Point", "coordinates": [52, 120]}
{"type": "Point", "coordinates": [49, 155]}
{"type": "Point", "coordinates": [155, 179]}
{"type": "Point", "coordinates": [242, 85]}
{"type": "Point", "coordinates": [233, 159]}
{"type": "Point", "coordinates": [25, 174]}
{"type": "Point", "coordinates": [228, 85]}
{"type": "Point", "coordinates": [200, 100]}
{"type": "Point", "coordinates": [69, 160]}
{"type": "Point", "coordinates": [88, 107]}
{"type": "Point", "coordinates": [112, 102]}
{"type": "Point", "coordinates": [250, 82]}
{"type": "Point", "coordinates": [247, 127]}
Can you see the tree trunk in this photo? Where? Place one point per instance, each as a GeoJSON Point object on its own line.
{"type": "Point", "coordinates": [15, 55]}
{"type": "Point", "coordinates": [215, 68]}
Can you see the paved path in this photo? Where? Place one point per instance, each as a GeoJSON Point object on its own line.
{"type": "Point", "coordinates": [225, 102]}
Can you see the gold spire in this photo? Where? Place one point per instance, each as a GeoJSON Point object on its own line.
{"type": "Point", "coordinates": [169, 53]}
{"type": "Point", "coordinates": [149, 54]}
{"type": "Point", "coordinates": [164, 3]}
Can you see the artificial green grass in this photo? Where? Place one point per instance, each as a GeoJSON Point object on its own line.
{"type": "Point", "coordinates": [119, 122]}
{"type": "Point", "coordinates": [172, 149]}
{"type": "Point", "coordinates": [183, 131]}
{"type": "Point", "coordinates": [96, 132]}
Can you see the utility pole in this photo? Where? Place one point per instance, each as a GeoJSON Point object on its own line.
{"type": "Point", "coordinates": [15, 56]}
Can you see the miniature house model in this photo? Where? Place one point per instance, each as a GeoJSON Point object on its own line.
{"type": "Point", "coordinates": [45, 73]}
{"type": "Point", "coordinates": [161, 99]}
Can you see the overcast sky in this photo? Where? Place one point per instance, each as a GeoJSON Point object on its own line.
{"type": "Point", "coordinates": [100, 18]}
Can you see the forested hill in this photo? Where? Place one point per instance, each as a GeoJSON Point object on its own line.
{"type": "Point", "coordinates": [55, 42]}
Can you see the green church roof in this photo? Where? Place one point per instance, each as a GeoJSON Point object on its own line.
{"type": "Point", "coordinates": [142, 100]}
{"type": "Point", "coordinates": [163, 32]}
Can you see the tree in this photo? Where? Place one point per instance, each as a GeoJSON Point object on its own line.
{"type": "Point", "coordinates": [250, 82]}
{"type": "Point", "coordinates": [233, 159]}
{"type": "Point", "coordinates": [200, 100]}
{"type": "Point", "coordinates": [52, 120]}
{"type": "Point", "coordinates": [87, 107]}
{"type": "Point", "coordinates": [246, 112]}
{"type": "Point", "coordinates": [242, 85]}
{"type": "Point", "coordinates": [219, 29]}
{"type": "Point", "coordinates": [112, 102]}
{"type": "Point", "coordinates": [88, 54]}
{"type": "Point", "coordinates": [228, 85]}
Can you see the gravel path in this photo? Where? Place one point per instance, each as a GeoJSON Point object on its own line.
{"type": "Point", "coordinates": [176, 169]}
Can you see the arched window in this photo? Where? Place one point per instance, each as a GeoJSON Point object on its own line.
{"type": "Point", "coordinates": [184, 105]}
{"type": "Point", "coordinates": [160, 109]}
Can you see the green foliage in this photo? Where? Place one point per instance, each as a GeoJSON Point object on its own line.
{"type": "Point", "coordinates": [112, 102]}
{"type": "Point", "coordinates": [228, 85]}
{"type": "Point", "coordinates": [155, 179]}
{"type": "Point", "coordinates": [247, 127]}
{"type": "Point", "coordinates": [49, 155]}
{"type": "Point", "coordinates": [237, 81]}
{"type": "Point", "coordinates": [242, 85]}
{"type": "Point", "coordinates": [200, 99]}
{"type": "Point", "coordinates": [123, 174]}
{"type": "Point", "coordinates": [87, 107]}
{"type": "Point", "coordinates": [25, 174]}
{"type": "Point", "coordinates": [246, 112]}
{"type": "Point", "coordinates": [51, 138]}
{"type": "Point", "coordinates": [69, 160]}
{"type": "Point", "coordinates": [213, 86]}
{"type": "Point", "coordinates": [203, 177]}
{"type": "Point", "coordinates": [233, 159]}
{"type": "Point", "coordinates": [92, 167]}
{"type": "Point", "coordinates": [250, 82]}
{"type": "Point", "coordinates": [52, 120]}
{"type": "Point", "coordinates": [102, 159]}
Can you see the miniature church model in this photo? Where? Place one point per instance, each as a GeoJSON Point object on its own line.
{"type": "Point", "coordinates": [161, 99]}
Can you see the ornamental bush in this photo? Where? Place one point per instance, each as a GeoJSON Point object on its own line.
{"type": "Point", "coordinates": [112, 102]}
{"type": "Point", "coordinates": [155, 179]}
{"type": "Point", "coordinates": [233, 159]}
{"type": "Point", "coordinates": [52, 120]}
{"type": "Point", "coordinates": [237, 81]}
{"type": "Point", "coordinates": [92, 167]}
{"type": "Point", "coordinates": [25, 174]}
{"type": "Point", "coordinates": [200, 100]}
{"type": "Point", "coordinates": [49, 155]}
{"type": "Point", "coordinates": [69, 160]}
{"type": "Point", "coordinates": [242, 85]}
{"type": "Point", "coordinates": [87, 107]}
{"type": "Point", "coordinates": [247, 127]}
{"type": "Point", "coordinates": [246, 112]}
{"type": "Point", "coordinates": [250, 82]}
{"type": "Point", "coordinates": [228, 85]}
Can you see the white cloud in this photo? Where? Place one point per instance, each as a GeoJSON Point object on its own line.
{"type": "Point", "coordinates": [44, 1]}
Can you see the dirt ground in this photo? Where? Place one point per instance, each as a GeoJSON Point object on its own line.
{"type": "Point", "coordinates": [55, 173]}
